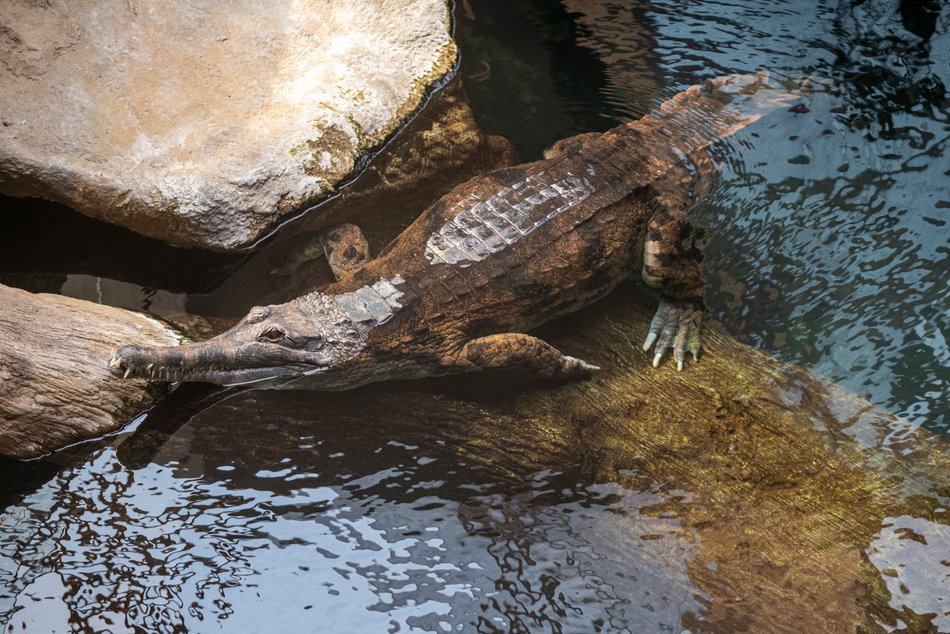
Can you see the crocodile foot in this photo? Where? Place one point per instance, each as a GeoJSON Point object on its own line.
{"type": "Point", "coordinates": [676, 325]}
{"type": "Point", "coordinates": [517, 350]}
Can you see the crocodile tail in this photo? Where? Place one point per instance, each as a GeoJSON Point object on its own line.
{"type": "Point", "coordinates": [718, 108]}
{"type": "Point", "coordinates": [692, 120]}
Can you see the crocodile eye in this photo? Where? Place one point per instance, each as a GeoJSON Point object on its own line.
{"type": "Point", "coordinates": [316, 344]}
{"type": "Point", "coordinates": [272, 335]}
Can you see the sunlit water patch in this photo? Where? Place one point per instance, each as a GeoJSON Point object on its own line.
{"type": "Point", "coordinates": [911, 554]}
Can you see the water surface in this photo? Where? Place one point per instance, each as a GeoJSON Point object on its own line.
{"type": "Point", "coordinates": [826, 244]}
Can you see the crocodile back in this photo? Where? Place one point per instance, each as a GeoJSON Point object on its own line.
{"type": "Point", "coordinates": [513, 248]}
{"type": "Point", "coordinates": [508, 250]}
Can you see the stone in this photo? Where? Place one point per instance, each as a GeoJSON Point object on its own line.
{"type": "Point", "coordinates": [55, 386]}
{"type": "Point", "coordinates": [207, 124]}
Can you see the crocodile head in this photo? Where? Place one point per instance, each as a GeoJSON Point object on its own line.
{"type": "Point", "coordinates": [307, 336]}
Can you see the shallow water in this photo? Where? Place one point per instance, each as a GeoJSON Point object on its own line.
{"type": "Point", "coordinates": [826, 244]}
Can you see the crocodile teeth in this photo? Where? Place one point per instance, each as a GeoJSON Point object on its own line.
{"type": "Point", "coordinates": [114, 362]}
{"type": "Point", "coordinates": [128, 371]}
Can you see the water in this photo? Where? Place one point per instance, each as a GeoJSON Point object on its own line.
{"type": "Point", "coordinates": [828, 238]}
{"type": "Point", "coordinates": [434, 509]}
{"type": "Point", "coordinates": [338, 536]}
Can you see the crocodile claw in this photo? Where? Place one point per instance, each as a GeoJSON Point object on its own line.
{"type": "Point", "coordinates": [676, 325]}
{"type": "Point", "coordinates": [573, 365]}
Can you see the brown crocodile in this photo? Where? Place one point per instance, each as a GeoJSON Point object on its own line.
{"type": "Point", "coordinates": [494, 258]}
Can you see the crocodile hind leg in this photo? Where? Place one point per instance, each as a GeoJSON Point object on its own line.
{"type": "Point", "coordinates": [345, 247]}
{"type": "Point", "coordinates": [678, 320]}
{"type": "Point", "coordinates": [516, 350]}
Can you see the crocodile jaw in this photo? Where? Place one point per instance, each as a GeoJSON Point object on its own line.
{"type": "Point", "coordinates": [211, 362]}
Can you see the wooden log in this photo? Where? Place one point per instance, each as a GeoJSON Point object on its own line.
{"type": "Point", "coordinates": [55, 386]}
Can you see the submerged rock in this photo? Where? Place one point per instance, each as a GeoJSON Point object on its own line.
{"type": "Point", "coordinates": [206, 125]}
{"type": "Point", "coordinates": [55, 387]}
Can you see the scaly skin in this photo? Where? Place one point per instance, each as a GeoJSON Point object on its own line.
{"type": "Point", "coordinates": [494, 258]}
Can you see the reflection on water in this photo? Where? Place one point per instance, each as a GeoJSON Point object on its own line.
{"type": "Point", "coordinates": [911, 554]}
{"type": "Point", "coordinates": [391, 539]}
{"type": "Point", "coordinates": [827, 243]}
{"type": "Point", "coordinates": [830, 232]}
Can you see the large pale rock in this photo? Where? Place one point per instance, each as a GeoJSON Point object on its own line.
{"type": "Point", "coordinates": [201, 123]}
{"type": "Point", "coordinates": [55, 386]}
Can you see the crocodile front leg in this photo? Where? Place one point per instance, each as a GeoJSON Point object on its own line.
{"type": "Point", "coordinates": [516, 350]}
{"type": "Point", "coordinates": [678, 320]}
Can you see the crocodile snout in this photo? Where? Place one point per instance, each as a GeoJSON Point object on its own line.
{"type": "Point", "coordinates": [122, 362]}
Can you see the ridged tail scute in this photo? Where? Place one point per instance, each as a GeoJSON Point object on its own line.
{"type": "Point", "coordinates": [718, 108]}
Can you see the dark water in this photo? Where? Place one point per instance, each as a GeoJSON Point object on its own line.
{"type": "Point", "coordinates": [827, 244]}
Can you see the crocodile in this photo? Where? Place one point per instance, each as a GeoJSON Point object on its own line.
{"type": "Point", "coordinates": [460, 289]}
